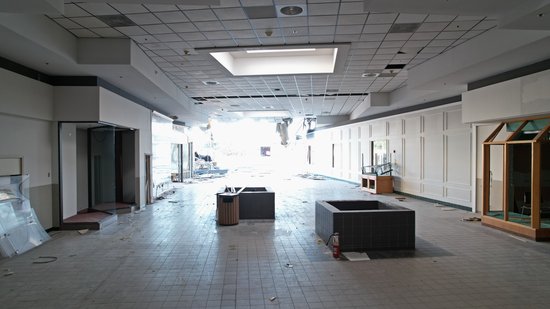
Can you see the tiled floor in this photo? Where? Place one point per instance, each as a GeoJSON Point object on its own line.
{"type": "Point", "coordinates": [173, 255]}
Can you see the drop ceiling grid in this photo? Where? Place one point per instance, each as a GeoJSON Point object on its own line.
{"type": "Point", "coordinates": [168, 34]}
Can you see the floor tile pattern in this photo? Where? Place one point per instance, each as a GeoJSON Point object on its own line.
{"type": "Point", "coordinates": [173, 255]}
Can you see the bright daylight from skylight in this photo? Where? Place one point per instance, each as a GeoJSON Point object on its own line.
{"type": "Point", "coordinates": [278, 61]}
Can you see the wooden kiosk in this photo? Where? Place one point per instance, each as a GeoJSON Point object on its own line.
{"type": "Point", "coordinates": [516, 180]}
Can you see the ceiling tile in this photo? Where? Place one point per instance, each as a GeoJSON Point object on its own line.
{"type": "Point", "coordinates": [256, 2]}
{"type": "Point", "coordinates": [272, 40]}
{"type": "Point", "coordinates": [72, 10]}
{"type": "Point", "coordinates": [300, 21]}
{"type": "Point", "coordinates": [89, 22]}
{"type": "Point", "coordinates": [346, 38]}
{"type": "Point", "coordinates": [420, 43]}
{"type": "Point", "coordinates": [131, 30]}
{"type": "Point", "coordinates": [144, 38]}
{"type": "Point", "coordinates": [144, 19]}
{"type": "Point", "coordinates": [107, 32]}
{"type": "Point", "coordinates": [264, 23]}
{"type": "Point", "coordinates": [209, 25]}
{"type": "Point", "coordinates": [374, 44]}
{"type": "Point", "coordinates": [247, 42]}
{"type": "Point", "coordinates": [381, 18]}
{"type": "Point", "coordinates": [321, 38]}
{"type": "Point", "coordinates": [157, 29]}
{"type": "Point", "coordinates": [172, 17]}
{"type": "Point", "coordinates": [398, 36]}
{"type": "Point", "coordinates": [192, 36]}
{"type": "Point", "coordinates": [170, 37]}
{"type": "Point", "coordinates": [217, 35]}
{"type": "Point", "coordinates": [67, 23]}
{"type": "Point", "coordinates": [351, 7]}
{"type": "Point", "coordinates": [322, 20]}
{"type": "Point", "coordinates": [243, 34]}
{"type": "Point", "coordinates": [447, 35]}
{"type": "Point", "coordinates": [351, 29]}
{"type": "Point", "coordinates": [379, 28]}
{"type": "Point", "coordinates": [201, 15]}
{"type": "Point", "coordinates": [83, 33]}
{"type": "Point", "coordinates": [471, 34]}
{"type": "Point", "coordinates": [424, 36]}
{"type": "Point", "coordinates": [297, 40]}
{"type": "Point", "coordinates": [469, 18]}
{"type": "Point", "coordinates": [161, 7]}
{"type": "Point", "coordinates": [439, 18]}
{"type": "Point", "coordinates": [372, 37]}
{"type": "Point", "coordinates": [428, 27]}
{"type": "Point", "coordinates": [321, 30]}
{"type": "Point", "coordinates": [461, 25]}
{"type": "Point", "coordinates": [322, 9]}
{"type": "Point", "coordinates": [485, 25]}
{"type": "Point", "coordinates": [98, 8]}
{"type": "Point", "coordinates": [182, 27]}
{"type": "Point", "coordinates": [298, 31]}
{"type": "Point", "coordinates": [441, 43]}
{"type": "Point", "coordinates": [352, 19]}
{"type": "Point", "coordinates": [387, 44]}
{"type": "Point", "coordinates": [410, 18]}
{"type": "Point", "coordinates": [236, 24]}
{"type": "Point", "coordinates": [230, 13]}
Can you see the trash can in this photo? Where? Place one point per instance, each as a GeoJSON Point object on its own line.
{"type": "Point", "coordinates": [227, 210]}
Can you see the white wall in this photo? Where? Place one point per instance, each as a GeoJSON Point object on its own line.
{"type": "Point", "coordinates": [67, 139]}
{"type": "Point", "coordinates": [76, 103]}
{"type": "Point", "coordinates": [430, 152]}
{"type": "Point", "coordinates": [26, 111]}
{"type": "Point", "coordinates": [523, 96]}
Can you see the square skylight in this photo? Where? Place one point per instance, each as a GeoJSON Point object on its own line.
{"type": "Point", "coordinates": [281, 60]}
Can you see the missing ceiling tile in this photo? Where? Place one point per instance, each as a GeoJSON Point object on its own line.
{"type": "Point", "coordinates": [116, 20]}
{"type": "Point", "coordinates": [404, 28]}
{"type": "Point", "coordinates": [258, 12]}
{"type": "Point", "coordinates": [210, 82]}
{"type": "Point", "coordinates": [394, 66]}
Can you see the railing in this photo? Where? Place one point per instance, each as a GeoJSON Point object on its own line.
{"type": "Point", "coordinates": [379, 169]}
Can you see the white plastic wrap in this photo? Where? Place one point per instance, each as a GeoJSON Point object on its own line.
{"type": "Point", "coordinates": [20, 230]}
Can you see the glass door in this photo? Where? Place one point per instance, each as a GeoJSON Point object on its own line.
{"type": "Point", "coordinates": [102, 169]}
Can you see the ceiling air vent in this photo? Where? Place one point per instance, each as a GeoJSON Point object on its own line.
{"type": "Point", "coordinates": [116, 20]}
{"type": "Point", "coordinates": [404, 28]}
{"type": "Point", "coordinates": [258, 12]}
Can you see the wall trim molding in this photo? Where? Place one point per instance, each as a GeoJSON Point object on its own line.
{"type": "Point", "coordinates": [425, 199]}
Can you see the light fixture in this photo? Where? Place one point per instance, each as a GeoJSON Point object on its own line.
{"type": "Point", "coordinates": [295, 50]}
{"type": "Point", "coordinates": [291, 10]}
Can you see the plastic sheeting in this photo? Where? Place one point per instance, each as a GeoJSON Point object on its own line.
{"type": "Point", "coordinates": [20, 230]}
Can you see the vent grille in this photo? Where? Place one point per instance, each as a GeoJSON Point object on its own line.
{"type": "Point", "coordinates": [258, 12]}
{"type": "Point", "coordinates": [116, 20]}
{"type": "Point", "coordinates": [404, 28]}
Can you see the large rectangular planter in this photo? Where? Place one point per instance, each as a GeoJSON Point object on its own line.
{"type": "Point", "coordinates": [366, 224]}
{"type": "Point", "coordinates": [257, 203]}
